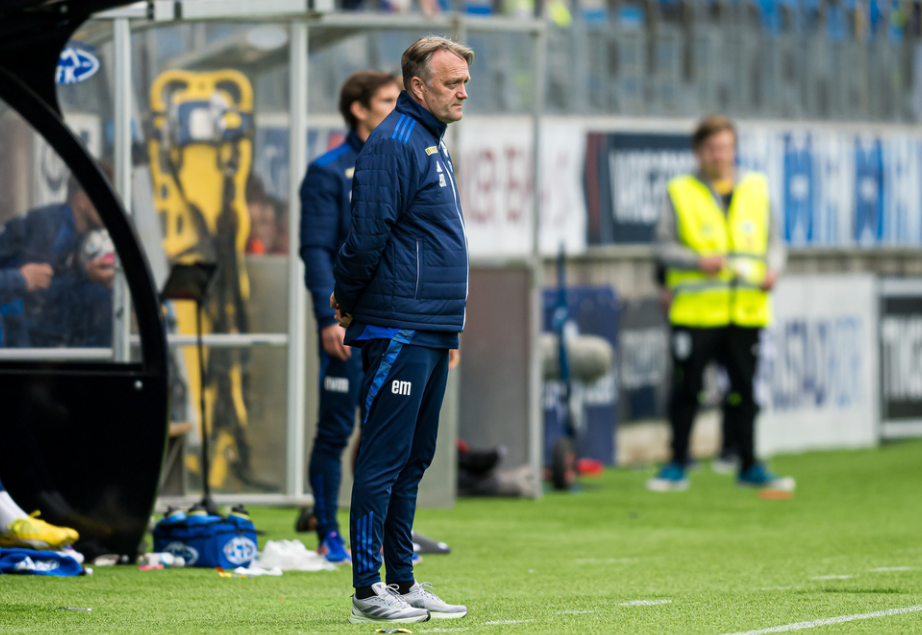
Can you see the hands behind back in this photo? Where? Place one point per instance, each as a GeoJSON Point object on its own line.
{"type": "Point", "coordinates": [344, 319]}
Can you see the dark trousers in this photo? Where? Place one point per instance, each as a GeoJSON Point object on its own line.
{"type": "Point", "coordinates": [340, 383]}
{"type": "Point", "coordinates": [402, 392]}
{"type": "Point", "coordinates": [737, 349]}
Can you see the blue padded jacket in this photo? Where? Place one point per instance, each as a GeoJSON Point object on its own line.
{"type": "Point", "coordinates": [325, 219]}
{"type": "Point", "coordinates": [405, 261]}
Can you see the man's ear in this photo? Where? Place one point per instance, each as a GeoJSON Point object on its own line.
{"type": "Point", "coordinates": [417, 86]}
{"type": "Point", "coordinates": [358, 110]}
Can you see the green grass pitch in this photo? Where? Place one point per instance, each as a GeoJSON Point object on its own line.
{"type": "Point", "coordinates": [718, 558]}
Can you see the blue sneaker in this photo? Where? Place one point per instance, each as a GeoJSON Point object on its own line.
{"type": "Point", "coordinates": [333, 548]}
{"type": "Point", "coordinates": [671, 478]}
{"type": "Point", "coordinates": [759, 476]}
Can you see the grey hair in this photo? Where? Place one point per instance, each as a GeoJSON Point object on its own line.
{"type": "Point", "coordinates": [417, 60]}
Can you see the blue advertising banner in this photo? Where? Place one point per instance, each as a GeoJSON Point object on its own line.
{"type": "Point", "coordinates": [869, 191]}
{"type": "Point", "coordinates": [593, 311]}
{"type": "Point", "coordinates": [798, 189]}
{"type": "Point", "coordinates": [270, 154]}
{"type": "Point", "coordinates": [644, 360]}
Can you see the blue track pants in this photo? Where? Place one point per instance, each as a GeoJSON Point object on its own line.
{"type": "Point", "coordinates": [340, 383]}
{"type": "Point", "coordinates": [402, 392]}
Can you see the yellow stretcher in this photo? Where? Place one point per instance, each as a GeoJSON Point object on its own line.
{"type": "Point", "coordinates": [201, 153]}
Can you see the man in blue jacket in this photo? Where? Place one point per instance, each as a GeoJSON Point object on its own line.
{"type": "Point", "coordinates": [401, 290]}
{"type": "Point", "coordinates": [365, 100]}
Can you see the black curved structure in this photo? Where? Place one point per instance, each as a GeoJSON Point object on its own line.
{"type": "Point", "coordinates": [84, 442]}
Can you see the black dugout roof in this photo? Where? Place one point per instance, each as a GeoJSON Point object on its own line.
{"type": "Point", "coordinates": [33, 32]}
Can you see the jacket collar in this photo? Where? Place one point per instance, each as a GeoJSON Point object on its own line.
{"type": "Point", "coordinates": [354, 142]}
{"type": "Point", "coordinates": [406, 106]}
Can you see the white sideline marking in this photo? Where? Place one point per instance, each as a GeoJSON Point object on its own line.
{"type": "Point", "coordinates": [645, 602]}
{"type": "Point", "coordinates": [830, 620]}
{"type": "Point", "coordinates": [498, 622]}
{"type": "Point", "coordinates": [884, 569]}
{"type": "Point", "coordinates": [833, 577]}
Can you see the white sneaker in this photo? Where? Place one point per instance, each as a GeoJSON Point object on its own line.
{"type": "Point", "coordinates": [387, 605]}
{"type": "Point", "coordinates": [726, 465]}
{"type": "Point", "coordinates": [422, 597]}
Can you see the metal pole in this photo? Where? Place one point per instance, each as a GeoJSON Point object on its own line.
{"type": "Point", "coordinates": [297, 308]}
{"type": "Point", "coordinates": [207, 501]}
{"type": "Point", "coordinates": [121, 297]}
{"type": "Point", "coordinates": [535, 413]}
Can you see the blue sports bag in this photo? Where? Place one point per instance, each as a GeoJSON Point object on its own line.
{"type": "Point", "coordinates": [208, 541]}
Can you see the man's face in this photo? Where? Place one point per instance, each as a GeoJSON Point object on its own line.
{"type": "Point", "coordinates": [382, 104]}
{"type": "Point", "coordinates": [717, 155]}
{"type": "Point", "coordinates": [445, 97]}
{"type": "Point", "coordinates": [379, 107]}
{"type": "Point", "coordinates": [262, 223]}
{"type": "Point", "coordinates": [85, 213]}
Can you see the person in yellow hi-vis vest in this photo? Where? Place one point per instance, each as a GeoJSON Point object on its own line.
{"type": "Point", "coordinates": [722, 250]}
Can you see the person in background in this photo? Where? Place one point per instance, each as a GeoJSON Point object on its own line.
{"type": "Point", "coordinates": [280, 214]}
{"type": "Point", "coordinates": [27, 531]}
{"type": "Point", "coordinates": [268, 227]}
{"type": "Point", "coordinates": [366, 98]}
{"type": "Point", "coordinates": [722, 250]}
{"type": "Point", "coordinates": [727, 460]}
{"type": "Point", "coordinates": [56, 275]}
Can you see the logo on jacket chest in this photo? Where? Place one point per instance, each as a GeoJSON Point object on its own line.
{"type": "Point", "coordinates": [438, 168]}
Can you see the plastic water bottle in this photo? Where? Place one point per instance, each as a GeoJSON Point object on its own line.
{"type": "Point", "coordinates": [165, 560]}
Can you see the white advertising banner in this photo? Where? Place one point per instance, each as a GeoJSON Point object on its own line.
{"type": "Point", "coordinates": [494, 175]}
{"type": "Point", "coordinates": [819, 379]}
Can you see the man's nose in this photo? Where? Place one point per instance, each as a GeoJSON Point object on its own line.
{"type": "Point", "coordinates": [463, 93]}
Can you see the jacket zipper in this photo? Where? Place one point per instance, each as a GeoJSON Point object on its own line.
{"type": "Point", "coordinates": [467, 257]}
{"type": "Point", "coordinates": [416, 292]}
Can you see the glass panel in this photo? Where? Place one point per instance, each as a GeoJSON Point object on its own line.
{"type": "Point", "coordinates": [214, 101]}
{"type": "Point", "coordinates": [248, 440]}
{"type": "Point", "coordinates": [57, 261]}
{"type": "Point", "coordinates": [210, 183]}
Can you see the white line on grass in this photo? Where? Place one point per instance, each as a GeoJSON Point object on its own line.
{"type": "Point", "coordinates": [833, 577]}
{"type": "Point", "coordinates": [498, 622]}
{"type": "Point", "coordinates": [831, 620]}
{"type": "Point", "coordinates": [885, 569]}
{"type": "Point", "coordinates": [645, 602]}
{"type": "Point", "coordinates": [604, 560]}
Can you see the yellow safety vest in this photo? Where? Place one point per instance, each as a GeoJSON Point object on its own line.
{"type": "Point", "coordinates": [741, 235]}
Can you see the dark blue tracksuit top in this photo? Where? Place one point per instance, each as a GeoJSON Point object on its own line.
{"type": "Point", "coordinates": [325, 220]}
{"type": "Point", "coordinates": [404, 263]}
{"type": "Point", "coordinates": [73, 311]}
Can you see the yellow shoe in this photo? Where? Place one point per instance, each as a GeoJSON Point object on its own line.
{"type": "Point", "coordinates": [32, 533]}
